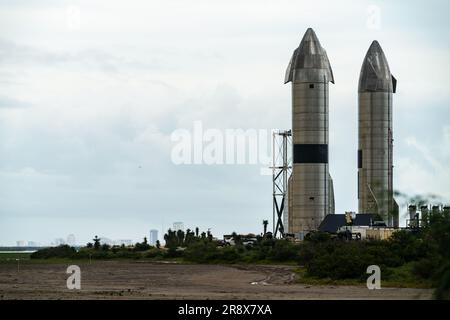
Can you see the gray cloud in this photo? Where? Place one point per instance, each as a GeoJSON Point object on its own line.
{"type": "Point", "coordinates": [11, 103]}
{"type": "Point", "coordinates": [27, 55]}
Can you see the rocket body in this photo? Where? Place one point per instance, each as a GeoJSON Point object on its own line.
{"type": "Point", "coordinates": [375, 142]}
{"type": "Point", "coordinates": [310, 192]}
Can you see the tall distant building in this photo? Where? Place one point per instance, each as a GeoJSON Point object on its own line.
{"type": "Point", "coordinates": [178, 226]}
{"type": "Point", "coordinates": [21, 243]}
{"type": "Point", "coordinates": [153, 237]}
{"type": "Point", "coordinates": [71, 240]}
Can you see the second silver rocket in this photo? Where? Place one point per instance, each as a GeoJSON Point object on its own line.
{"type": "Point", "coordinates": [375, 146]}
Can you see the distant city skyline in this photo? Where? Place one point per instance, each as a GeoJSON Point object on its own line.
{"type": "Point", "coordinates": [152, 237]}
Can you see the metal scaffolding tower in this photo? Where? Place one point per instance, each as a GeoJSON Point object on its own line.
{"type": "Point", "coordinates": [281, 171]}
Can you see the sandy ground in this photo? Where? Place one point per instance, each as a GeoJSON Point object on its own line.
{"type": "Point", "coordinates": [148, 280]}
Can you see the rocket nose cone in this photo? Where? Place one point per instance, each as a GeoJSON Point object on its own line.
{"type": "Point", "coordinates": [375, 57]}
{"type": "Point", "coordinates": [310, 44]}
{"type": "Point", "coordinates": [375, 47]}
{"type": "Point", "coordinates": [310, 35]}
{"type": "Point", "coordinates": [375, 74]}
{"type": "Point", "coordinates": [309, 56]}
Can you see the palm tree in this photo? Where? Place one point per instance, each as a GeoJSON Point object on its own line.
{"type": "Point", "coordinates": [96, 243]}
{"type": "Point", "coordinates": [265, 223]}
{"type": "Point", "coordinates": [209, 235]}
{"type": "Point", "coordinates": [180, 237]}
{"type": "Point", "coordinates": [188, 237]}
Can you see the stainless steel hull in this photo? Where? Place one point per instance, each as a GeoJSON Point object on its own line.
{"type": "Point", "coordinates": [375, 142]}
{"type": "Point", "coordinates": [310, 196]}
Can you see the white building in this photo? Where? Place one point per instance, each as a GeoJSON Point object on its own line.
{"type": "Point", "coordinates": [21, 243]}
{"type": "Point", "coordinates": [153, 237]}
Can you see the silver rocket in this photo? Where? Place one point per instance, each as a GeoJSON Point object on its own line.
{"type": "Point", "coordinates": [310, 191]}
{"type": "Point", "coordinates": [375, 142]}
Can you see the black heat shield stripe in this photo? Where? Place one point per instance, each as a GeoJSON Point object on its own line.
{"type": "Point", "coordinates": [359, 159]}
{"type": "Point", "coordinates": [310, 153]}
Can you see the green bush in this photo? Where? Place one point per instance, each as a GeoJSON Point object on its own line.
{"type": "Point", "coordinates": [102, 255]}
{"type": "Point", "coordinates": [83, 253]}
{"type": "Point", "coordinates": [62, 251]}
{"type": "Point", "coordinates": [261, 252]}
{"type": "Point", "coordinates": [409, 246]}
{"type": "Point", "coordinates": [309, 250]}
{"type": "Point", "coordinates": [141, 246]}
{"type": "Point", "coordinates": [201, 251]}
{"type": "Point", "coordinates": [443, 283]}
{"type": "Point", "coordinates": [229, 254]}
{"type": "Point", "coordinates": [426, 268]}
{"type": "Point", "coordinates": [317, 237]}
{"type": "Point", "coordinates": [283, 250]}
{"type": "Point", "coordinates": [346, 260]}
{"type": "Point", "coordinates": [379, 253]}
{"type": "Point", "coordinates": [125, 254]}
{"type": "Point", "coordinates": [325, 258]}
{"type": "Point", "coordinates": [173, 252]}
{"type": "Point", "coordinates": [153, 253]}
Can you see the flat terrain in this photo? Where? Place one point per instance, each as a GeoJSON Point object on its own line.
{"type": "Point", "coordinates": [150, 280]}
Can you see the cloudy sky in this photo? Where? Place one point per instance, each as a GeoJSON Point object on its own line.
{"type": "Point", "coordinates": [91, 91]}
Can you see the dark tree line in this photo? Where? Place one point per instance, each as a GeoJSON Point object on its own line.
{"type": "Point", "coordinates": [179, 238]}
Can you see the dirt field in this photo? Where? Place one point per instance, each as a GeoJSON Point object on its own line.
{"type": "Point", "coordinates": [147, 280]}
